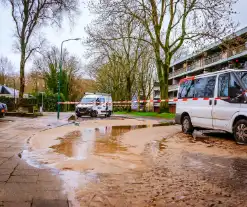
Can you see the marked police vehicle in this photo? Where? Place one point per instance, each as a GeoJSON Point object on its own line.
{"type": "Point", "coordinates": [95, 104]}
{"type": "Point", "coordinates": [216, 100]}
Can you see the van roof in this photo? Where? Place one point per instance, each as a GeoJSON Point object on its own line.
{"type": "Point", "coordinates": [103, 94]}
{"type": "Point", "coordinates": [213, 73]}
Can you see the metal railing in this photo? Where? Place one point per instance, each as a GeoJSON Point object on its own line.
{"type": "Point", "coordinates": [173, 87]}
{"type": "Point", "coordinates": [211, 59]}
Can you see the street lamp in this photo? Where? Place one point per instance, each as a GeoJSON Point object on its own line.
{"type": "Point", "coordinates": [60, 74]}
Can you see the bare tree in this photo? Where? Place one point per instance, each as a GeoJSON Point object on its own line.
{"type": "Point", "coordinates": [111, 40]}
{"type": "Point", "coordinates": [145, 75]}
{"type": "Point", "coordinates": [29, 16]}
{"type": "Point", "coordinates": [170, 24]}
{"type": "Point", "coordinates": [6, 70]}
{"type": "Point", "coordinates": [45, 67]}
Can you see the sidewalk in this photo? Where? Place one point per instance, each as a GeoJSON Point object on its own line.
{"type": "Point", "coordinates": [22, 185]}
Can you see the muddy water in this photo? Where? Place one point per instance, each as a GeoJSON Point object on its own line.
{"type": "Point", "coordinates": [80, 144]}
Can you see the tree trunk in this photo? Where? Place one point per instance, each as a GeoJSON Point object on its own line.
{"type": "Point", "coordinates": [163, 80]}
{"type": "Point", "coordinates": [22, 76]}
{"type": "Point", "coordinates": [129, 95]}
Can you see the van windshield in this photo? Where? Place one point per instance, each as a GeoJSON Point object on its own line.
{"type": "Point", "coordinates": [243, 76]}
{"type": "Point", "coordinates": [87, 100]}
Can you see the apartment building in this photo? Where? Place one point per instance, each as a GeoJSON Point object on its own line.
{"type": "Point", "coordinates": [219, 56]}
{"type": "Point", "coordinates": [216, 57]}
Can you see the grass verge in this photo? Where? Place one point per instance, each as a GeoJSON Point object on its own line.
{"type": "Point", "coordinates": [149, 114]}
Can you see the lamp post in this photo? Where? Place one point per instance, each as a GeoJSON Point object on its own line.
{"type": "Point", "coordinates": [60, 74]}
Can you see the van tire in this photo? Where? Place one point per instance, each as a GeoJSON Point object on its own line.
{"type": "Point", "coordinates": [94, 114]}
{"type": "Point", "coordinates": [78, 115]}
{"type": "Point", "coordinates": [187, 127]}
{"type": "Point", "coordinates": [238, 131]}
{"type": "Point", "coordinates": [108, 114]}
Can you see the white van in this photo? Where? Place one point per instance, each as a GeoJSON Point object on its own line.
{"type": "Point", "coordinates": [94, 104]}
{"type": "Point", "coordinates": [215, 100]}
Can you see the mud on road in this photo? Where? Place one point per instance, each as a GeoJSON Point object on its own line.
{"type": "Point", "coordinates": [140, 163]}
{"type": "Point", "coordinates": [180, 171]}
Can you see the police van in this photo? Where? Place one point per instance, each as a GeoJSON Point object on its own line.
{"type": "Point", "coordinates": [216, 100]}
{"type": "Point", "coordinates": [95, 104]}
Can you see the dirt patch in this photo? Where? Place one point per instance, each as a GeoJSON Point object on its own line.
{"type": "Point", "coordinates": [178, 172]}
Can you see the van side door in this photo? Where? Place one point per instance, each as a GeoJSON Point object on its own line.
{"type": "Point", "coordinates": [201, 104]}
{"type": "Point", "coordinates": [224, 106]}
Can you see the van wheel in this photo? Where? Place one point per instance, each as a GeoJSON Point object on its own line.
{"type": "Point", "coordinates": [78, 115]}
{"type": "Point", "coordinates": [187, 127]}
{"type": "Point", "coordinates": [108, 114]}
{"type": "Point", "coordinates": [240, 131]}
{"type": "Point", "coordinates": [94, 114]}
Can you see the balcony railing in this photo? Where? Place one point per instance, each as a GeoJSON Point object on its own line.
{"type": "Point", "coordinates": [209, 60]}
{"type": "Point", "coordinates": [177, 72]}
{"type": "Point", "coordinates": [173, 87]}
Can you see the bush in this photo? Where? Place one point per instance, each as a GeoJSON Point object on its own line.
{"type": "Point", "coordinates": [10, 102]}
{"type": "Point", "coordinates": [50, 102]}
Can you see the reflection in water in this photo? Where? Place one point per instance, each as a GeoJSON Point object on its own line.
{"type": "Point", "coordinates": [80, 144]}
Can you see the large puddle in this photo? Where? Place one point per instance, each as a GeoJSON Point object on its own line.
{"type": "Point", "coordinates": [82, 143]}
{"type": "Point", "coordinates": [84, 153]}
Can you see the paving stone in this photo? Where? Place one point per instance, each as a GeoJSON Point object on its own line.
{"type": "Point", "coordinates": [10, 163]}
{"type": "Point", "coordinates": [23, 179]}
{"type": "Point", "coordinates": [14, 193]}
{"type": "Point", "coordinates": [16, 150]}
{"type": "Point", "coordinates": [6, 171]}
{"type": "Point", "coordinates": [4, 178]}
{"type": "Point", "coordinates": [16, 204]}
{"type": "Point", "coordinates": [49, 203]}
{"type": "Point", "coordinates": [4, 154]}
{"type": "Point", "coordinates": [2, 160]}
{"type": "Point", "coordinates": [50, 195]}
{"type": "Point", "coordinates": [25, 172]}
{"type": "Point", "coordinates": [25, 187]}
{"type": "Point", "coordinates": [47, 185]}
{"type": "Point", "coordinates": [46, 177]}
{"type": "Point", "coordinates": [5, 145]}
{"type": "Point", "coordinates": [24, 166]}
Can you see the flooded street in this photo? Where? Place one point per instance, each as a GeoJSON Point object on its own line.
{"type": "Point", "coordinates": [132, 162]}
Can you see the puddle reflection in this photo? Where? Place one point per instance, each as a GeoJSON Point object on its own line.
{"type": "Point", "coordinates": [81, 143]}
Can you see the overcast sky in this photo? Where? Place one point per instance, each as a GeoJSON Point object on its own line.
{"type": "Point", "coordinates": [56, 36]}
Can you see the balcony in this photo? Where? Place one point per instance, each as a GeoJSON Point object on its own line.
{"type": "Point", "coordinates": [173, 87]}
{"type": "Point", "coordinates": [177, 72]}
{"type": "Point", "coordinates": [209, 60]}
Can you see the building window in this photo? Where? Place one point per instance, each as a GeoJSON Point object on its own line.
{"type": "Point", "coordinates": [156, 93]}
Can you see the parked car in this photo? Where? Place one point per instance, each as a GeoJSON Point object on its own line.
{"type": "Point", "coordinates": [215, 100]}
{"type": "Point", "coordinates": [94, 104]}
{"type": "Point", "coordinates": [3, 109]}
